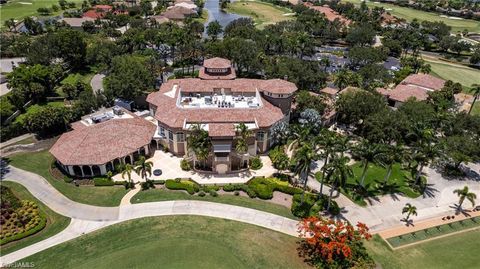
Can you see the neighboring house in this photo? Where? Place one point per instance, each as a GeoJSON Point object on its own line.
{"type": "Point", "coordinates": [418, 86]}
{"type": "Point", "coordinates": [159, 19]}
{"type": "Point", "coordinates": [219, 102]}
{"type": "Point", "coordinates": [178, 13]}
{"type": "Point", "coordinates": [414, 86]}
{"type": "Point", "coordinates": [99, 11]}
{"type": "Point", "coordinates": [189, 5]}
{"type": "Point", "coordinates": [76, 23]}
{"type": "Point", "coordinates": [329, 13]}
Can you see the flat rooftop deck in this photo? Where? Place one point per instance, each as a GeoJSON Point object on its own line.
{"type": "Point", "coordinates": [219, 101]}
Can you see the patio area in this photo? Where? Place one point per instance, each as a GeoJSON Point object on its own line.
{"type": "Point", "coordinates": [170, 166]}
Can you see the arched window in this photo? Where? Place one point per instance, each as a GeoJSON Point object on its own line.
{"type": "Point", "coordinates": [128, 159]}
{"type": "Point", "coordinates": [109, 166]}
{"type": "Point", "coordinates": [77, 170]}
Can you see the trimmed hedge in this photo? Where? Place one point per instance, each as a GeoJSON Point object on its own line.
{"type": "Point", "coordinates": [255, 163]}
{"type": "Point", "coordinates": [120, 182]}
{"type": "Point", "coordinates": [161, 182]}
{"type": "Point", "coordinates": [187, 185]}
{"type": "Point", "coordinates": [102, 181]}
{"type": "Point", "coordinates": [36, 229]}
{"type": "Point", "coordinates": [264, 187]}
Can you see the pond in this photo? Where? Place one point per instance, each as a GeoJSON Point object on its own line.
{"type": "Point", "coordinates": [216, 13]}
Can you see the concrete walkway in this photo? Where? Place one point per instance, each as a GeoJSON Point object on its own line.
{"type": "Point", "coordinates": [97, 83]}
{"type": "Point", "coordinates": [15, 140]}
{"type": "Point", "coordinates": [87, 218]}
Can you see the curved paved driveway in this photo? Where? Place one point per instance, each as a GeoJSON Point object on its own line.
{"type": "Point", "coordinates": [87, 218]}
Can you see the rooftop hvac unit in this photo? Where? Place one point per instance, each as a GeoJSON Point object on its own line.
{"type": "Point", "coordinates": [117, 110]}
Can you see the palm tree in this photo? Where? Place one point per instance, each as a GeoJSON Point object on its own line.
{"type": "Point", "coordinates": [423, 155]}
{"type": "Point", "coordinates": [368, 152]}
{"type": "Point", "coordinates": [242, 145]}
{"type": "Point", "coordinates": [338, 171]}
{"type": "Point", "coordinates": [465, 194]}
{"type": "Point", "coordinates": [327, 141]}
{"type": "Point", "coordinates": [342, 79]}
{"type": "Point", "coordinates": [409, 210]}
{"type": "Point", "coordinates": [199, 142]}
{"type": "Point", "coordinates": [475, 90]}
{"type": "Point", "coordinates": [143, 167]}
{"type": "Point", "coordinates": [304, 158]}
{"type": "Point", "coordinates": [127, 170]}
{"type": "Point", "coordinates": [393, 154]}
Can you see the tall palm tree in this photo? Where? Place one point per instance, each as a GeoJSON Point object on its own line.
{"type": "Point", "coordinates": [143, 167]}
{"type": "Point", "coordinates": [393, 154]}
{"type": "Point", "coordinates": [304, 158]}
{"type": "Point", "coordinates": [242, 145]}
{"type": "Point", "coordinates": [338, 172]}
{"type": "Point", "coordinates": [368, 152]}
{"type": "Point", "coordinates": [465, 194]}
{"type": "Point", "coordinates": [327, 141]}
{"type": "Point", "coordinates": [199, 143]}
{"type": "Point", "coordinates": [475, 90]}
{"type": "Point", "coordinates": [409, 210]}
{"type": "Point", "coordinates": [127, 170]}
{"type": "Point", "coordinates": [423, 155]}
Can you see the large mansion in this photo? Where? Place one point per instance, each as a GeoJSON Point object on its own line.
{"type": "Point", "coordinates": [217, 101]}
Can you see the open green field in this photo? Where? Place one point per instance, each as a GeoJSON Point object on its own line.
{"type": "Point", "coordinates": [55, 222]}
{"type": "Point", "coordinates": [261, 13]}
{"type": "Point", "coordinates": [175, 242]}
{"type": "Point", "coordinates": [155, 195]}
{"type": "Point", "coordinates": [19, 9]}
{"type": "Point", "coordinates": [456, 73]}
{"type": "Point", "coordinates": [39, 163]}
{"type": "Point", "coordinates": [409, 14]}
{"type": "Point", "coordinates": [451, 252]}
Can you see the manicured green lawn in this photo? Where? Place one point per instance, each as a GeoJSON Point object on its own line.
{"type": "Point", "coordinates": [409, 14]}
{"type": "Point", "coordinates": [456, 251]}
{"type": "Point", "coordinates": [155, 195]}
{"type": "Point", "coordinates": [55, 222]}
{"type": "Point", "coordinates": [39, 163]}
{"type": "Point", "coordinates": [36, 107]}
{"type": "Point", "coordinates": [397, 183]}
{"type": "Point", "coordinates": [19, 9]}
{"type": "Point", "coordinates": [73, 78]}
{"type": "Point", "coordinates": [175, 242]}
{"type": "Point", "coordinates": [203, 17]}
{"type": "Point", "coordinates": [262, 13]}
{"type": "Point", "coordinates": [463, 75]}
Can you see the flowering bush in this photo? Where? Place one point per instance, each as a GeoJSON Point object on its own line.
{"type": "Point", "coordinates": [331, 243]}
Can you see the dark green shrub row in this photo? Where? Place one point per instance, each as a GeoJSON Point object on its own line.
{"type": "Point", "coordinates": [149, 184]}
{"type": "Point", "coordinates": [188, 186]}
{"type": "Point", "coordinates": [264, 188]}
{"type": "Point", "coordinates": [208, 188]}
{"type": "Point", "coordinates": [39, 227]}
{"type": "Point", "coordinates": [101, 181]}
{"type": "Point", "coordinates": [161, 182]}
{"type": "Point", "coordinates": [120, 182]}
{"type": "Point", "coordinates": [240, 187]}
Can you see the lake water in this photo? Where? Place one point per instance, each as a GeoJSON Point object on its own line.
{"type": "Point", "coordinates": [215, 13]}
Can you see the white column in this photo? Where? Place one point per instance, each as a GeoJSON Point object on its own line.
{"type": "Point", "coordinates": [103, 169]}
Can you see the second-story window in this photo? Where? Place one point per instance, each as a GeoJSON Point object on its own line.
{"type": "Point", "coordinates": [161, 132]}
{"type": "Point", "coordinates": [180, 137]}
{"type": "Point", "coordinates": [260, 136]}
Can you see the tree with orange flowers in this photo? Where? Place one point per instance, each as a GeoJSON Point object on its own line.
{"type": "Point", "coordinates": [328, 243]}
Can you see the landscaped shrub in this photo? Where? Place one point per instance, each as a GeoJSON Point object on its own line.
{"type": "Point", "coordinates": [201, 194]}
{"type": "Point", "coordinates": [147, 185]}
{"type": "Point", "coordinates": [213, 193]}
{"type": "Point", "coordinates": [235, 187]}
{"type": "Point", "coordinates": [161, 182]}
{"type": "Point", "coordinates": [18, 219]}
{"type": "Point", "coordinates": [302, 210]}
{"type": "Point", "coordinates": [236, 193]}
{"type": "Point", "coordinates": [101, 181]}
{"type": "Point", "coordinates": [264, 187]}
{"type": "Point", "coordinates": [185, 165]}
{"type": "Point", "coordinates": [120, 182]}
{"type": "Point", "coordinates": [189, 186]}
{"type": "Point", "coordinates": [129, 185]}
{"type": "Point", "coordinates": [279, 158]}
{"type": "Point", "coordinates": [208, 188]}
{"type": "Point", "coordinates": [256, 163]}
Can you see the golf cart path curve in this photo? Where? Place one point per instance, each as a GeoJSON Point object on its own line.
{"type": "Point", "coordinates": [88, 218]}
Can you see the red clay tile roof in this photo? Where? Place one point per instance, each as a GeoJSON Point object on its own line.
{"type": "Point", "coordinates": [425, 81]}
{"type": "Point", "coordinates": [329, 13]}
{"type": "Point", "coordinates": [383, 91]}
{"type": "Point", "coordinates": [177, 13]}
{"type": "Point", "coordinates": [103, 142]}
{"type": "Point", "coordinates": [402, 93]}
{"type": "Point", "coordinates": [221, 130]}
{"type": "Point", "coordinates": [330, 91]}
{"type": "Point", "coordinates": [171, 115]}
{"type": "Point", "coordinates": [217, 63]}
